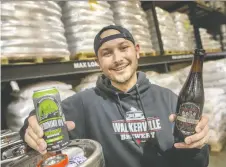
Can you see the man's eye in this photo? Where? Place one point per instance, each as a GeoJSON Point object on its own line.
{"type": "Point", "coordinates": [124, 48]}
{"type": "Point", "coordinates": [106, 54]}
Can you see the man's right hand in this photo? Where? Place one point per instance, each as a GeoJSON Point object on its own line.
{"type": "Point", "coordinates": [34, 134]}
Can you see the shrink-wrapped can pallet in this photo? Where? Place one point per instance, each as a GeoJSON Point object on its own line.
{"type": "Point", "coordinates": [32, 29]}
{"type": "Point", "coordinates": [208, 42]}
{"type": "Point", "coordinates": [167, 30]}
{"type": "Point", "coordinates": [83, 20]}
{"type": "Point", "coordinates": [184, 31]}
{"type": "Point", "coordinates": [131, 16]}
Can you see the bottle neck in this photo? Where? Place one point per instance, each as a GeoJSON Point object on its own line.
{"type": "Point", "coordinates": [197, 64]}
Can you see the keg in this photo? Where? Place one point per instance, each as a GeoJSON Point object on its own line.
{"type": "Point", "coordinates": [12, 147]}
{"type": "Point", "coordinates": [81, 153]}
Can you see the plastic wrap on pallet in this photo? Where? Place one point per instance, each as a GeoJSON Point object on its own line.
{"type": "Point", "coordinates": [167, 30]}
{"type": "Point", "coordinates": [208, 42]}
{"type": "Point", "coordinates": [28, 29]}
{"type": "Point", "coordinates": [130, 15]}
{"type": "Point", "coordinates": [214, 78]}
{"type": "Point", "coordinates": [217, 5]}
{"type": "Point", "coordinates": [22, 105]}
{"type": "Point", "coordinates": [184, 31]}
{"type": "Point", "coordinates": [82, 20]}
{"type": "Point", "coordinates": [87, 82]}
{"type": "Point", "coordinates": [223, 30]}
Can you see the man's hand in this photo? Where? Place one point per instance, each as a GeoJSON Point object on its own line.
{"type": "Point", "coordinates": [34, 133]}
{"type": "Point", "coordinates": [199, 139]}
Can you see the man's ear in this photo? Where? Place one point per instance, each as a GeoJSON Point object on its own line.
{"type": "Point", "coordinates": [137, 48]}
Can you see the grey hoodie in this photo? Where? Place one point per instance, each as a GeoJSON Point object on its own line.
{"type": "Point", "coordinates": [133, 127]}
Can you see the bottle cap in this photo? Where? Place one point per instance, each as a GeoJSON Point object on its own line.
{"type": "Point", "coordinates": [59, 160]}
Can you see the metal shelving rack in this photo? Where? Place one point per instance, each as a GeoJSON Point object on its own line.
{"type": "Point", "coordinates": [29, 72]}
{"type": "Point", "coordinates": [199, 16]}
{"type": "Point", "coordinates": [45, 70]}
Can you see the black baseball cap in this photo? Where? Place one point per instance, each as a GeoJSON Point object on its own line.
{"type": "Point", "coordinates": [123, 33]}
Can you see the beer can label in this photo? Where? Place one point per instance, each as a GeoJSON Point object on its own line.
{"type": "Point", "coordinates": [51, 119]}
{"type": "Point", "coordinates": [187, 118]}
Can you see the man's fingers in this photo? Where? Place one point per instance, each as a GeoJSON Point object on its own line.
{"type": "Point", "coordinates": [199, 144]}
{"type": "Point", "coordinates": [31, 133]}
{"type": "Point", "coordinates": [172, 117]}
{"type": "Point", "coordinates": [202, 124]}
{"type": "Point", "coordinates": [32, 143]}
{"type": "Point", "coordinates": [70, 125]}
{"type": "Point", "coordinates": [41, 145]}
{"type": "Point", "coordinates": [33, 123]}
{"type": "Point", "coordinates": [198, 136]}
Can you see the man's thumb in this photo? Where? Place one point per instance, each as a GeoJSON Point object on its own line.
{"type": "Point", "coordinates": [70, 125]}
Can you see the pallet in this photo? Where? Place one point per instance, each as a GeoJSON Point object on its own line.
{"type": "Point", "coordinates": [84, 56]}
{"type": "Point", "coordinates": [144, 54]}
{"type": "Point", "coordinates": [213, 50]}
{"type": "Point", "coordinates": [173, 53]}
{"type": "Point", "coordinates": [18, 59]}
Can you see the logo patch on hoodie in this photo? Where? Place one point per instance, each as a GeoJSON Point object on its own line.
{"type": "Point", "coordinates": [136, 126]}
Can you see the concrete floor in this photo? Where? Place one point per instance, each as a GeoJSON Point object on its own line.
{"type": "Point", "coordinates": [218, 159]}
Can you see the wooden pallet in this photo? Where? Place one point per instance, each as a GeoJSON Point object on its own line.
{"type": "Point", "coordinates": [18, 59]}
{"type": "Point", "coordinates": [84, 56]}
{"type": "Point", "coordinates": [143, 54]}
{"type": "Point", "coordinates": [213, 50]}
{"type": "Point", "coordinates": [173, 52]}
{"type": "Point", "coordinates": [189, 52]}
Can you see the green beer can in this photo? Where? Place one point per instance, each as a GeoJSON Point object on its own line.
{"type": "Point", "coordinates": [50, 116]}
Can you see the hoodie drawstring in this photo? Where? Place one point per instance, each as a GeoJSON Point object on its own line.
{"type": "Point", "coordinates": [149, 129]}
{"type": "Point", "coordinates": [123, 116]}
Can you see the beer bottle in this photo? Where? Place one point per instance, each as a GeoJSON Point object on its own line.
{"type": "Point", "coordinates": [190, 100]}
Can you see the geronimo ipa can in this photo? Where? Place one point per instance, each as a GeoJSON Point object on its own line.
{"type": "Point", "coordinates": [50, 116]}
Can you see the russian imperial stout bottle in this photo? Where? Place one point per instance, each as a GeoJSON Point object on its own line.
{"type": "Point", "coordinates": [190, 100]}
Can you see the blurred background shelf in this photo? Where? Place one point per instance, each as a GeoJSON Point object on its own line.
{"type": "Point", "coordinates": [46, 70]}
{"type": "Point", "coordinates": [204, 13]}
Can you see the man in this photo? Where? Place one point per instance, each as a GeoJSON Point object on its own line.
{"type": "Point", "coordinates": [130, 117]}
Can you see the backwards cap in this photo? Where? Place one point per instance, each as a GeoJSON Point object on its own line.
{"type": "Point", "coordinates": [123, 33]}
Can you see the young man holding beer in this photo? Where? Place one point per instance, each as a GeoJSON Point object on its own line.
{"type": "Point", "coordinates": [129, 116]}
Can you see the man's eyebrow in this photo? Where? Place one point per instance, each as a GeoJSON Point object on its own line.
{"type": "Point", "coordinates": [105, 49]}
{"type": "Point", "coordinates": [124, 42]}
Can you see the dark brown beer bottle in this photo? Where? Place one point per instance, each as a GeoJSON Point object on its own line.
{"type": "Point", "coordinates": [190, 100]}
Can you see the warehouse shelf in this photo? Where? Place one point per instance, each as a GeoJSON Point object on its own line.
{"type": "Point", "coordinates": [203, 13]}
{"type": "Point", "coordinates": [45, 70]}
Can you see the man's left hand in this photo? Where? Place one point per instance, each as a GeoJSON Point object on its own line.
{"type": "Point", "coordinates": [199, 139]}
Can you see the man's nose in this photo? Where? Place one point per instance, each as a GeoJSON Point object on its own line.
{"type": "Point", "coordinates": [117, 56]}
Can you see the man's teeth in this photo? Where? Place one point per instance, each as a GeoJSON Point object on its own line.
{"type": "Point", "coordinates": [120, 68]}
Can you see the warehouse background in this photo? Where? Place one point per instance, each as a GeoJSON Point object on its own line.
{"type": "Point", "coordinates": [47, 43]}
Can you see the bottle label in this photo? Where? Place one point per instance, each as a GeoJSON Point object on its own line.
{"type": "Point", "coordinates": [188, 118]}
